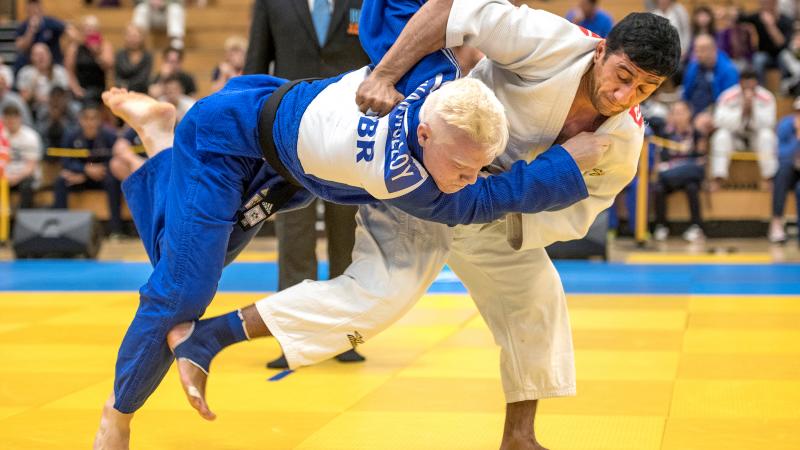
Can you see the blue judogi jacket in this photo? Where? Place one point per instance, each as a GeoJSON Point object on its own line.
{"type": "Point", "coordinates": [322, 140]}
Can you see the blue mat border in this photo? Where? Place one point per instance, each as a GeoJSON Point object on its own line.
{"type": "Point", "coordinates": [577, 276]}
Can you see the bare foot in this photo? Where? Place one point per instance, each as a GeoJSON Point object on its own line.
{"type": "Point", "coordinates": [115, 429]}
{"type": "Point", "coordinates": [193, 378]}
{"type": "Point", "coordinates": [153, 121]}
{"type": "Point", "coordinates": [521, 444]}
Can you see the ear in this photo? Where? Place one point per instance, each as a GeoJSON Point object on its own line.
{"type": "Point", "coordinates": [600, 51]}
{"type": "Point", "coordinates": [423, 134]}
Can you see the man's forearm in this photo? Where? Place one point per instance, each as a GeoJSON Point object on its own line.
{"type": "Point", "coordinates": [424, 34]}
{"type": "Point", "coordinates": [776, 35]}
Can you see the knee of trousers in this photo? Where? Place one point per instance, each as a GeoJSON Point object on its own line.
{"type": "Point", "coordinates": [721, 142]}
{"type": "Point", "coordinates": [181, 305]}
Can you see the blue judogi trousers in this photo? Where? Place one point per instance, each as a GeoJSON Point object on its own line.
{"type": "Point", "coordinates": [184, 202]}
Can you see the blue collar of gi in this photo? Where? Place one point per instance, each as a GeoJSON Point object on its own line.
{"type": "Point", "coordinates": [402, 147]}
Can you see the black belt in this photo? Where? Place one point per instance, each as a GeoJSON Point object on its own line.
{"type": "Point", "coordinates": [266, 121]}
{"type": "Point", "coordinates": [269, 201]}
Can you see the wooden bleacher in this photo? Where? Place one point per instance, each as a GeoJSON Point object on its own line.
{"type": "Point", "coordinates": [208, 28]}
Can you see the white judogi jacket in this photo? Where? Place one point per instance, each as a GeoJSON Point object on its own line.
{"type": "Point", "coordinates": [534, 63]}
{"type": "Point", "coordinates": [728, 113]}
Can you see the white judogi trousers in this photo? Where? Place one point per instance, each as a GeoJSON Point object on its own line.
{"type": "Point", "coordinates": [395, 259]}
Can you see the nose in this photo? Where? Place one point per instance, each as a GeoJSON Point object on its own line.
{"type": "Point", "coordinates": [469, 177]}
{"type": "Point", "coordinates": [623, 95]}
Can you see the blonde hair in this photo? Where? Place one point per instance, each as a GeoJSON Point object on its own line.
{"type": "Point", "coordinates": [470, 106]}
{"type": "Point", "coordinates": [235, 42]}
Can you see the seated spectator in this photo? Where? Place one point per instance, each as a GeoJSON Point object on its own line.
{"type": "Point", "coordinates": [708, 74]}
{"type": "Point", "coordinates": [35, 81]}
{"type": "Point", "coordinates": [788, 176]}
{"type": "Point", "coordinates": [173, 94]}
{"type": "Point", "coordinates": [23, 172]}
{"type": "Point", "coordinates": [774, 32]}
{"type": "Point", "coordinates": [38, 28]}
{"type": "Point", "coordinates": [679, 18]}
{"type": "Point", "coordinates": [9, 97]}
{"type": "Point", "coordinates": [55, 118]}
{"type": "Point", "coordinates": [6, 73]}
{"type": "Point", "coordinates": [745, 120]}
{"type": "Point", "coordinates": [737, 39]}
{"type": "Point", "coordinates": [171, 64]}
{"type": "Point", "coordinates": [133, 64]}
{"type": "Point", "coordinates": [166, 15]}
{"type": "Point", "coordinates": [92, 172]}
{"type": "Point", "coordinates": [128, 154]}
{"type": "Point", "coordinates": [789, 59]}
{"type": "Point", "coordinates": [680, 166]}
{"type": "Point", "coordinates": [788, 8]}
{"type": "Point", "coordinates": [702, 22]}
{"type": "Point", "coordinates": [232, 65]}
{"type": "Point", "coordinates": [587, 15]}
{"type": "Point", "coordinates": [87, 60]}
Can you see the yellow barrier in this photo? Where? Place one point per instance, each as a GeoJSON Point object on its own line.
{"type": "Point", "coordinates": [59, 152]}
{"type": "Point", "coordinates": [641, 234]}
{"type": "Point", "coordinates": [5, 209]}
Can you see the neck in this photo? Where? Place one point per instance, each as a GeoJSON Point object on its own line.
{"type": "Point", "coordinates": [582, 106]}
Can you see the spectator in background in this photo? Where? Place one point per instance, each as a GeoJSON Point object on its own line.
{"type": "Point", "coordinates": [708, 74]}
{"type": "Point", "coordinates": [774, 32]}
{"type": "Point", "coordinates": [789, 59]}
{"type": "Point", "coordinates": [173, 94]}
{"type": "Point", "coordinates": [788, 176]}
{"type": "Point", "coordinates": [745, 120]}
{"type": "Point", "coordinates": [679, 18]}
{"type": "Point", "coordinates": [128, 154]}
{"type": "Point", "coordinates": [703, 21]}
{"type": "Point", "coordinates": [87, 60]}
{"type": "Point", "coordinates": [92, 172]}
{"type": "Point", "coordinates": [737, 39]}
{"type": "Point", "coordinates": [35, 81]}
{"type": "Point", "coordinates": [9, 97]}
{"type": "Point", "coordinates": [233, 63]}
{"type": "Point", "coordinates": [788, 8]}
{"type": "Point", "coordinates": [23, 172]}
{"type": "Point", "coordinates": [38, 28]}
{"type": "Point", "coordinates": [587, 15]}
{"type": "Point", "coordinates": [133, 64]}
{"type": "Point", "coordinates": [6, 73]}
{"type": "Point", "coordinates": [308, 39]}
{"type": "Point", "coordinates": [172, 64]}
{"type": "Point", "coordinates": [55, 118]}
{"type": "Point", "coordinates": [162, 14]}
{"type": "Point", "coordinates": [680, 166]}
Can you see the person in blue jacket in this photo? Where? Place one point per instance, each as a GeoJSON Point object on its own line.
{"type": "Point", "coordinates": [262, 144]}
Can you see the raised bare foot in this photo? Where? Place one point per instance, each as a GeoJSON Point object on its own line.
{"type": "Point", "coordinates": [115, 429]}
{"type": "Point", "coordinates": [153, 121]}
{"type": "Point", "coordinates": [193, 378]}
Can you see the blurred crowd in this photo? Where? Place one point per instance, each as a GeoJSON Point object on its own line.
{"type": "Point", "coordinates": [737, 67]}
{"type": "Point", "coordinates": [59, 135]}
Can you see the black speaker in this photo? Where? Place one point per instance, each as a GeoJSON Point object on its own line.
{"type": "Point", "coordinates": [594, 244]}
{"type": "Point", "coordinates": [57, 233]}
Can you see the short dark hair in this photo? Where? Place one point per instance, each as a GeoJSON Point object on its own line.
{"type": "Point", "coordinates": [748, 73]}
{"type": "Point", "coordinates": [89, 105]}
{"type": "Point", "coordinates": [650, 42]}
{"type": "Point", "coordinates": [11, 110]}
{"type": "Point", "coordinates": [169, 50]}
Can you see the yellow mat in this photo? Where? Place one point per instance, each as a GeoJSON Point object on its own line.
{"type": "Point", "coordinates": [660, 372]}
